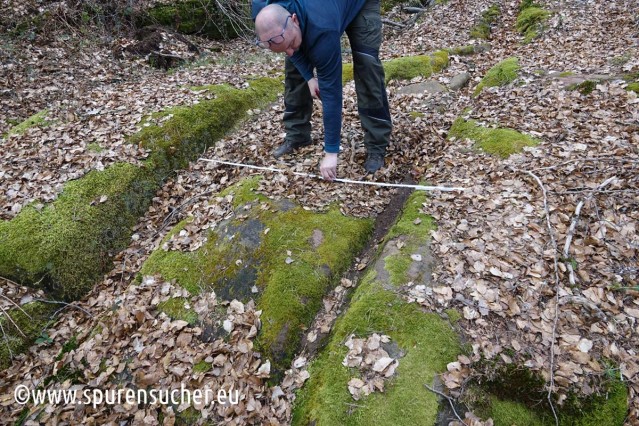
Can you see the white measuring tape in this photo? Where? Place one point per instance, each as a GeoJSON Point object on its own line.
{"type": "Point", "coordinates": [359, 182]}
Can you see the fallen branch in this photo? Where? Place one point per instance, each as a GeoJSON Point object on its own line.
{"type": "Point", "coordinates": [584, 302]}
{"type": "Point", "coordinates": [6, 341]}
{"type": "Point", "coordinates": [410, 9]}
{"type": "Point", "coordinates": [450, 401]}
{"type": "Point", "coordinates": [65, 306]}
{"type": "Point", "coordinates": [393, 23]}
{"type": "Point", "coordinates": [573, 225]}
{"type": "Point", "coordinates": [556, 319]}
{"type": "Point", "coordinates": [6, 314]}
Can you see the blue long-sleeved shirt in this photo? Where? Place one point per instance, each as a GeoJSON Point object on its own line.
{"type": "Point", "coordinates": [322, 23]}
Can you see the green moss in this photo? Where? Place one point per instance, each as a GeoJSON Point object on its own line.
{"type": "Point", "coordinates": [516, 395]}
{"type": "Point", "coordinates": [95, 147]}
{"type": "Point", "coordinates": [411, 213]}
{"type": "Point", "coordinates": [501, 74]}
{"type": "Point", "coordinates": [69, 346]}
{"type": "Point", "coordinates": [195, 17]}
{"type": "Point", "coordinates": [488, 18]}
{"type": "Point", "coordinates": [244, 191]}
{"type": "Point", "coordinates": [585, 87]}
{"type": "Point", "coordinates": [609, 408]}
{"type": "Point", "coordinates": [428, 341]}
{"type": "Point", "coordinates": [633, 87]}
{"type": "Point", "coordinates": [631, 77]}
{"type": "Point", "coordinates": [462, 50]}
{"type": "Point", "coordinates": [439, 60]}
{"type": "Point", "coordinates": [192, 129]}
{"type": "Point", "coordinates": [566, 74]}
{"type": "Point", "coordinates": [291, 293]}
{"type": "Point", "coordinates": [453, 315]}
{"type": "Point", "coordinates": [68, 245]}
{"type": "Point", "coordinates": [509, 413]}
{"type": "Point", "coordinates": [176, 309]}
{"type": "Point", "coordinates": [38, 316]}
{"type": "Point", "coordinates": [36, 120]}
{"type": "Point", "coordinates": [501, 142]}
{"type": "Point", "coordinates": [406, 68]}
{"type": "Point", "coordinates": [416, 114]}
{"type": "Point", "coordinates": [202, 367]}
{"type": "Point", "coordinates": [530, 21]}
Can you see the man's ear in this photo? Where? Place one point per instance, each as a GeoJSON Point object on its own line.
{"type": "Point", "coordinates": [294, 19]}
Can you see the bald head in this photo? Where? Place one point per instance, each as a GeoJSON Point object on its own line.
{"type": "Point", "coordinates": [271, 18]}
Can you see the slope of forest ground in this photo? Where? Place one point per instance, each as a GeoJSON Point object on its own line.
{"type": "Point", "coordinates": [534, 265]}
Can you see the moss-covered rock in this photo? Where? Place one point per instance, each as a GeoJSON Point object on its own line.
{"type": "Point", "coordinates": [197, 17]}
{"type": "Point", "coordinates": [292, 265]}
{"type": "Point", "coordinates": [501, 74]}
{"type": "Point", "coordinates": [427, 341]}
{"type": "Point", "coordinates": [192, 129]}
{"type": "Point", "coordinates": [24, 326]}
{"type": "Point", "coordinates": [470, 49]}
{"type": "Point", "coordinates": [36, 120]}
{"type": "Point", "coordinates": [406, 68]}
{"type": "Point", "coordinates": [483, 28]}
{"type": "Point", "coordinates": [65, 246]}
{"type": "Point", "coordinates": [497, 141]}
{"type": "Point", "coordinates": [68, 244]}
{"type": "Point", "coordinates": [585, 87]}
{"type": "Point", "coordinates": [530, 22]}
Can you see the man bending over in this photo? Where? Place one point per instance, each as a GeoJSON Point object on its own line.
{"type": "Point", "coordinates": [309, 32]}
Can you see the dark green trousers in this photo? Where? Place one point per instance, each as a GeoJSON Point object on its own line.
{"type": "Point", "coordinates": [365, 36]}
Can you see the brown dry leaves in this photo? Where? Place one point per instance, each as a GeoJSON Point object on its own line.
{"type": "Point", "coordinates": [374, 363]}
{"type": "Point", "coordinates": [133, 343]}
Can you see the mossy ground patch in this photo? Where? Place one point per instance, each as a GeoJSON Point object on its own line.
{"type": "Point", "coordinates": [407, 67]}
{"type": "Point", "coordinates": [290, 292]}
{"type": "Point", "coordinates": [501, 74]}
{"type": "Point", "coordinates": [427, 340]}
{"type": "Point", "coordinates": [497, 141]}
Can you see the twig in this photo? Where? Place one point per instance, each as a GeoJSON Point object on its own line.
{"type": "Point", "coordinates": [450, 401]}
{"type": "Point", "coordinates": [12, 322]}
{"type": "Point", "coordinates": [584, 302]}
{"type": "Point", "coordinates": [65, 306]}
{"type": "Point", "coordinates": [556, 319]}
{"type": "Point", "coordinates": [573, 225]}
{"type": "Point", "coordinates": [16, 305]}
{"type": "Point", "coordinates": [393, 23]}
{"type": "Point", "coordinates": [410, 9]}
{"type": "Point", "coordinates": [6, 340]}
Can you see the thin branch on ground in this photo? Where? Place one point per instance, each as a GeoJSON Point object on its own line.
{"type": "Point", "coordinates": [556, 268]}
{"type": "Point", "coordinates": [573, 226]}
{"type": "Point", "coordinates": [6, 314]}
{"type": "Point", "coordinates": [16, 305]}
{"type": "Point", "coordinates": [6, 341]}
{"type": "Point", "coordinates": [66, 305]}
{"type": "Point", "coordinates": [450, 401]}
{"type": "Point", "coordinates": [393, 23]}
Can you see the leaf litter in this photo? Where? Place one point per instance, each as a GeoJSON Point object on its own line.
{"type": "Point", "coordinates": [494, 259]}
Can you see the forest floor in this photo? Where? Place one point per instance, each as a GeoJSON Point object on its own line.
{"type": "Point", "coordinates": [539, 254]}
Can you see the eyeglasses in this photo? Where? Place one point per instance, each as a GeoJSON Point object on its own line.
{"type": "Point", "coordinates": [278, 39]}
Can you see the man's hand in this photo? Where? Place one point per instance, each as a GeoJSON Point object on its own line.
{"type": "Point", "coordinates": [313, 86]}
{"type": "Point", "coordinates": [328, 167]}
